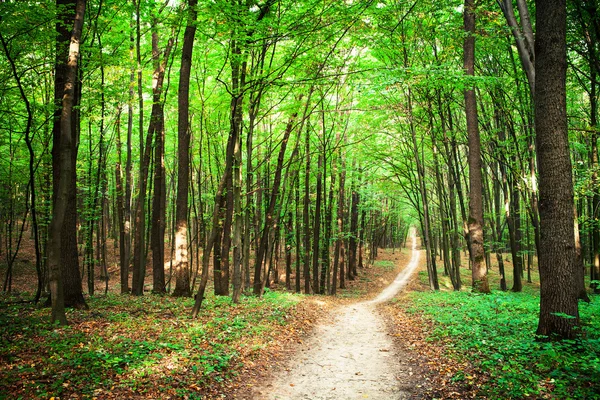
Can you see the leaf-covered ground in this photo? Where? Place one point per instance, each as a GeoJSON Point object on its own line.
{"type": "Point", "coordinates": [462, 345]}
{"type": "Point", "coordinates": [149, 347]}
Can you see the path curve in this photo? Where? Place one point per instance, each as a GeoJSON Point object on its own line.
{"type": "Point", "coordinates": [350, 358]}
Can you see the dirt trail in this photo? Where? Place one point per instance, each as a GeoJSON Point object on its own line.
{"type": "Point", "coordinates": [353, 357]}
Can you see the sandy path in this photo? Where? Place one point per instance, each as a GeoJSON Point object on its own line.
{"type": "Point", "coordinates": [353, 357]}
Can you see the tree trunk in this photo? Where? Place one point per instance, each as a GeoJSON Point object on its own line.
{"type": "Point", "coordinates": [475, 222]}
{"type": "Point", "coordinates": [559, 313]}
{"type": "Point", "coordinates": [298, 230]}
{"type": "Point", "coordinates": [338, 260]}
{"type": "Point", "coordinates": [125, 249]}
{"type": "Point", "coordinates": [270, 218]}
{"type": "Point", "coordinates": [316, 262]}
{"type": "Point", "coordinates": [305, 213]}
{"type": "Point", "coordinates": [182, 266]}
{"type": "Point", "coordinates": [64, 173]}
{"type": "Point", "coordinates": [156, 127]}
{"type": "Point", "coordinates": [426, 221]}
{"type": "Point", "coordinates": [69, 260]}
{"type": "Point", "coordinates": [159, 210]}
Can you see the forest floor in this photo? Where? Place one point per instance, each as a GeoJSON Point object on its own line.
{"type": "Point", "coordinates": [148, 347]}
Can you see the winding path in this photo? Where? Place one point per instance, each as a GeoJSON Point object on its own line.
{"type": "Point", "coordinates": [352, 357]}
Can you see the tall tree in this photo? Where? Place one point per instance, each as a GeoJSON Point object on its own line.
{"type": "Point", "coordinates": [182, 268]}
{"type": "Point", "coordinates": [65, 172]}
{"type": "Point", "coordinates": [155, 127]}
{"type": "Point", "coordinates": [69, 260]}
{"type": "Point", "coordinates": [559, 313]}
{"type": "Point", "coordinates": [475, 222]}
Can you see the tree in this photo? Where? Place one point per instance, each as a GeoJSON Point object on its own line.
{"type": "Point", "coordinates": [65, 172]}
{"type": "Point", "coordinates": [182, 268]}
{"type": "Point", "coordinates": [69, 260]}
{"type": "Point", "coordinates": [559, 313]}
{"type": "Point", "coordinates": [475, 222]}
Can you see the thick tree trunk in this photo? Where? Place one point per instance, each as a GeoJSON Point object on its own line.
{"type": "Point", "coordinates": [182, 265]}
{"type": "Point", "coordinates": [475, 222]}
{"type": "Point", "coordinates": [559, 313]}
{"type": "Point", "coordinates": [69, 260]}
{"type": "Point", "coordinates": [64, 173]}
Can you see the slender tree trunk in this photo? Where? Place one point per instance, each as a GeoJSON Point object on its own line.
{"type": "Point", "coordinates": [125, 250]}
{"type": "Point", "coordinates": [317, 228]}
{"type": "Point", "coordinates": [328, 232]}
{"type": "Point", "coordinates": [210, 244]}
{"type": "Point", "coordinates": [270, 218]}
{"type": "Point", "coordinates": [156, 127]}
{"type": "Point", "coordinates": [352, 246]}
{"type": "Point", "coordinates": [289, 232]}
{"type": "Point", "coordinates": [426, 222]}
{"type": "Point", "coordinates": [31, 183]}
{"type": "Point", "coordinates": [338, 262]}
{"type": "Point", "coordinates": [305, 213]}
{"type": "Point", "coordinates": [124, 270]}
{"type": "Point", "coordinates": [139, 250]}
{"type": "Point", "coordinates": [159, 211]}
{"type": "Point", "coordinates": [515, 226]}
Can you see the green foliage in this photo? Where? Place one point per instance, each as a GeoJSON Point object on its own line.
{"type": "Point", "coordinates": [127, 343]}
{"type": "Point", "coordinates": [496, 334]}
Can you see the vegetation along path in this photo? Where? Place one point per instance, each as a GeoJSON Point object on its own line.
{"type": "Point", "coordinates": [353, 357]}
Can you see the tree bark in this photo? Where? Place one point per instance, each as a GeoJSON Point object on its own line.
{"type": "Point", "coordinates": [475, 222]}
{"type": "Point", "coordinates": [69, 260]}
{"type": "Point", "coordinates": [262, 252]}
{"type": "Point", "coordinates": [64, 173]}
{"type": "Point", "coordinates": [181, 265]}
{"type": "Point", "coordinates": [559, 313]}
{"type": "Point", "coordinates": [155, 127]}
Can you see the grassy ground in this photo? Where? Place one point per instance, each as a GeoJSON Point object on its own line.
{"type": "Point", "coordinates": [488, 343]}
{"type": "Point", "coordinates": [149, 347]}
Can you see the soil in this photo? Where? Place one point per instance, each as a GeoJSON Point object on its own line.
{"type": "Point", "coordinates": [352, 356]}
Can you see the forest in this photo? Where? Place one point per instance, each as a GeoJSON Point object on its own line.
{"type": "Point", "coordinates": [220, 163]}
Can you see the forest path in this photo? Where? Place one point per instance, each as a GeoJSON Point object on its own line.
{"type": "Point", "coordinates": [352, 357]}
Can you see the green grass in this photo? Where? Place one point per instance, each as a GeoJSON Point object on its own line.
{"type": "Point", "coordinates": [496, 334]}
{"type": "Point", "coordinates": [385, 265]}
{"type": "Point", "coordinates": [133, 344]}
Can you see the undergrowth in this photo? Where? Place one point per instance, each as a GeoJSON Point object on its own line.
{"type": "Point", "coordinates": [496, 333]}
{"type": "Point", "coordinates": [133, 344]}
